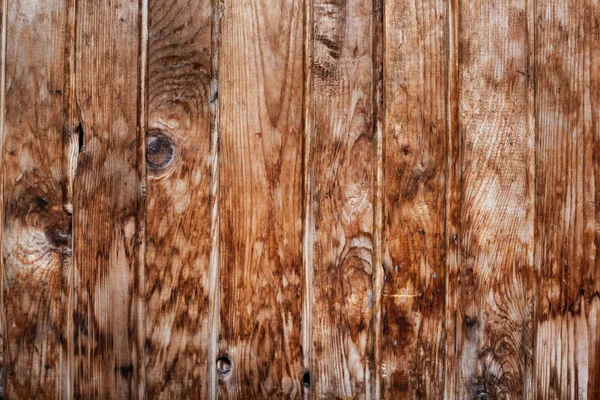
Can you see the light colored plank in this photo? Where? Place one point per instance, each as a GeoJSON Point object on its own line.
{"type": "Point", "coordinates": [36, 225]}
{"type": "Point", "coordinates": [568, 305]}
{"type": "Point", "coordinates": [260, 94]}
{"type": "Point", "coordinates": [107, 226]}
{"type": "Point", "coordinates": [413, 350]}
{"type": "Point", "coordinates": [343, 194]}
{"type": "Point", "coordinates": [178, 198]}
{"type": "Point", "coordinates": [494, 327]}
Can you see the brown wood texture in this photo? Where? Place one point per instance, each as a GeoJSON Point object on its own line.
{"type": "Point", "coordinates": [178, 223]}
{"type": "Point", "coordinates": [495, 305]}
{"type": "Point", "coordinates": [260, 133]}
{"type": "Point", "coordinates": [105, 204]}
{"type": "Point", "coordinates": [568, 305]}
{"type": "Point", "coordinates": [317, 199]}
{"type": "Point", "coordinates": [413, 351]}
{"type": "Point", "coordinates": [343, 192]}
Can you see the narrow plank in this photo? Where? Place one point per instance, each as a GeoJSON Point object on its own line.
{"type": "Point", "coordinates": [260, 94]}
{"type": "Point", "coordinates": [105, 200]}
{"type": "Point", "coordinates": [178, 227]}
{"type": "Point", "coordinates": [494, 327]}
{"type": "Point", "coordinates": [36, 224]}
{"type": "Point", "coordinates": [343, 194]}
{"type": "Point", "coordinates": [413, 350]}
{"type": "Point", "coordinates": [568, 304]}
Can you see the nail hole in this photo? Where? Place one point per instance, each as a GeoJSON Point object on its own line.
{"type": "Point", "coordinates": [223, 365]}
{"type": "Point", "coordinates": [160, 150]}
{"type": "Point", "coordinates": [41, 201]}
{"type": "Point", "coordinates": [306, 379]}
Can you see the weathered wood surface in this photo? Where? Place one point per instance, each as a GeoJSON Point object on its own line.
{"type": "Point", "coordinates": [178, 223]}
{"type": "Point", "coordinates": [342, 198]}
{"type": "Point", "coordinates": [495, 306]}
{"type": "Point", "coordinates": [260, 133]}
{"type": "Point", "coordinates": [567, 349]}
{"type": "Point", "coordinates": [413, 351]}
{"type": "Point", "coordinates": [105, 201]}
{"type": "Point", "coordinates": [300, 199]}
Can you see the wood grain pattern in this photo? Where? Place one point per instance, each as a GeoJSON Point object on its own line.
{"type": "Point", "coordinates": [36, 226]}
{"type": "Point", "coordinates": [343, 195]}
{"type": "Point", "coordinates": [568, 325]}
{"type": "Point", "coordinates": [494, 330]}
{"type": "Point", "coordinates": [413, 350]}
{"type": "Point", "coordinates": [260, 94]}
{"type": "Point", "coordinates": [105, 203]}
{"type": "Point", "coordinates": [178, 198]}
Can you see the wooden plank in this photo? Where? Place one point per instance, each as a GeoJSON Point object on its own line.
{"type": "Point", "coordinates": [260, 94]}
{"type": "Point", "coordinates": [36, 223]}
{"type": "Point", "coordinates": [494, 327]}
{"type": "Point", "coordinates": [343, 195]}
{"type": "Point", "coordinates": [178, 198]}
{"type": "Point", "coordinates": [105, 204]}
{"type": "Point", "coordinates": [568, 305]}
{"type": "Point", "coordinates": [413, 348]}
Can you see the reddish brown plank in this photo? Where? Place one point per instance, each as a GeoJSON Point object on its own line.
{"type": "Point", "coordinates": [343, 194]}
{"type": "Point", "coordinates": [495, 303]}
{"type": "Point", "coordinates": [107, 187]}
{"type": "Point", "coordinates": [260, 95]}
{"type": "Point", "coordinates": [568, 305]}
{"type": "Point", "coordinates": [36, 232]}
{"type": "Point", "coordinates": [178, 198]}
{"type": "Point", "coordinates": [413, 351]}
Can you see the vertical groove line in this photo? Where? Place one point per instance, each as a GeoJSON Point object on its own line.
{"type": "Point", "coordinates": [308, 225]}
{"type": "Point", "coordinates": [2, 135]}
{"type": "Point", "coordinates": [378, 50]}
{"type": "Point", "coordinates": [141, 202]}
{"type": "Point", "coordinates": [213, 273]}
{"type": "Point", "coordinates": [452, 218]}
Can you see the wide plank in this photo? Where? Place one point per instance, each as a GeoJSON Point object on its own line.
{"type": "Point", "coordinates": [36, 230]}
{"type": "Point", "coordinates": [495, 304]}
{"type": "Point", "coordinates": [260, 161]}
{"type": "Point", "coordinates": [567, 350]}
{"type": "Point", "coordinates": [413, 351]}
{"type": "Point", "coordinates": [106, 195]}
{"type": "Point", "coordinates": [178, 225]}
{"type": "Point", "coordinates": [344, 150]}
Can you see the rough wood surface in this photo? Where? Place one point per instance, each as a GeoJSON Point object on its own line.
{"type": "Point", "coordinates": [495, 305]}
{"type": "Point", "coordinates": [178, 226]}
{"type": "Point", "coordinates": [413, 350]}
{"type": "Point", "coordinates": [105, 201]}
{"type": "Point", "coordinates": [343, 193]}
{"type": "Point", "coordinates": [567, 350]}
{"type": "Point", "coordinates": [260, 95]}
{"type": "Point", "coordinates": [36, 226]}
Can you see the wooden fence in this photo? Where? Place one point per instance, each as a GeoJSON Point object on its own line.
{"type": "Point", "coordinates": [324, 199]}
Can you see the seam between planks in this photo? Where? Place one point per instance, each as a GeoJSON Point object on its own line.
{"type": "Point", "coordinates": [2, 134]}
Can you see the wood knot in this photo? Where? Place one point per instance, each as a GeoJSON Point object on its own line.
{"type": "Point", "coordinates": [482, 396]}
{"type": "Point", "coordinates": [224, 365]}
{"type": "Point", "coordinates": [160, 152]}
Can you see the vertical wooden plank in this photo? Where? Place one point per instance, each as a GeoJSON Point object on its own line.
{"type": "Point", "coordinates": [343, 194]}
{"type": "Point", "coordinates": [568, 342]}
{"type": "Point", "coordinates": [36, 232]}
{"type": "Point", "coordinates": [105, 204]}
{"type": "Point", "coordinates": [260, 92]}
{"type": "Point", "coordinates": [413, 350]}
{"type": "Point", "coordinates": [178, 198]}
{"type": "Point", "coordinates": [494, 327]}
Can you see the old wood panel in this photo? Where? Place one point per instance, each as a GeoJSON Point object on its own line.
{"type": "Point", "coordinates": [36, 222]}
{"type": "Point", "coordinates": [260, 95]}
{"type": "Point", "coordinates": [495, 305]}
{"type": "Point", "coordinates": [105, 204]}
{"type": "Point", "coordinates": [178, 198]}
{"type": "Point", "coordinates": [413, 351]}
{"type": "Point", "coordinates": [343, 194]}
{"type": "Point", "coordinates": [568, 304]}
